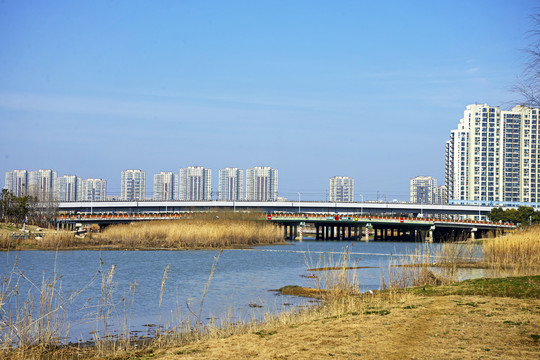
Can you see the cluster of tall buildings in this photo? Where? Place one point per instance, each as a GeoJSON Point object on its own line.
{"type": "Point", "coordinates": [194, 183]}
{"type": "Point", "coordinates": [493, 157]}
{"type": "Point", "coordinates": [46, 185]}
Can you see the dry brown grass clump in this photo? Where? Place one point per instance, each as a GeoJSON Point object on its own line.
{"type": "Point", "coordinates": [429, 265]}
{"type": "Point", "coordinates": [209, 231]}
{"type": "Point", "coordinates": [514, 254]}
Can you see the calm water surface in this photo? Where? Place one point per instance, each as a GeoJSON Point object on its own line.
{"type": "Point", "coordinates": [240, 285]}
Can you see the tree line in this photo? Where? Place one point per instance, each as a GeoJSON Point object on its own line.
{"type": "Point", "coordinates": [19, 209]}
{"type": "Point", "coordinates": [525, 215]}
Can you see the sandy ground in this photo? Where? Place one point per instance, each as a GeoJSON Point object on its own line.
{"type": "Point", "coordinates": [445, 327]}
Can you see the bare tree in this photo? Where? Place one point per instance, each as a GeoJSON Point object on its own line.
{"type": "Point", "coordinates": [528, 84]}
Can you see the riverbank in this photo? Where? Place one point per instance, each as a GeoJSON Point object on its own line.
{"type": "Point", "coordinates": [467, 320]}
{"type": "Point", "coordinates": [473, 319]}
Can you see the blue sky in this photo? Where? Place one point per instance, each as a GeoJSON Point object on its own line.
{"type": "Point", "coordinates": [366, 89]}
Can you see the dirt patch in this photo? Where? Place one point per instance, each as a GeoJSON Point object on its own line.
{"type": "Point", "coordinates": [450, 327]}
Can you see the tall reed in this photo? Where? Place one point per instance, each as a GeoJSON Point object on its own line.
{"type": "Point", "coordinates": [33, 316]}
{"type": "Point", "coordinates": [514, 254]}
{"type": "Point", "coordinates": [428, 264]}
{"type": "Point", "coordinates": [335, 274]}
{"type": "Point", "coordinates": [207, 232]}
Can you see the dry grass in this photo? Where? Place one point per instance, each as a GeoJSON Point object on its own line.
{"type": "Point", "coordinates": [429, 265]}
{"type": "Point", "coordinates": [514, 254]}
{"type": "Point", "coordinates": [184, 234]}
{"type": "Point", "coordinates": [202, 230]}
{"type": "Point", "coordinates": [34, 321]}
{"type": "Point", "coordinates": [413, 327]}
{"type": "Point", "coordinates": [217, 230]}
{"type": "Point", "coordinates": [334, 276]}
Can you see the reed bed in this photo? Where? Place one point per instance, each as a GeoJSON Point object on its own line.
{"type": "Point", "coordinates": [514, 254]}
{"type": "Point", "coordinates": [429, 265]}
{"type": "Point", "coordinates": [334, 275]}
{"type": "Point", "coordinates": [214, 232]}
{"type": "Point", "coordinates": [34, 321]}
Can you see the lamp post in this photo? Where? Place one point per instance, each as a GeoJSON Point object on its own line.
{"type": "Point", "coordinates": [362, 205]}
{"type": "Point", "coordinates": [165, 199]}
{"type": "Point", "coordinates": [299, 199]}
{"type": "Point", "coordinates": [92, 201]}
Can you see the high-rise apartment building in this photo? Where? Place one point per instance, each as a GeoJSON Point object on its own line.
{"type": "Point", "coordinates": [231, 184]}
{"type": "Point", "coordinates": [440, 195]}
{"type": "Point", "coordinates": [195, 183]}
{"type": "Point", "coordinates": [341, 189]}
{"type": "Point", "coordinates": [41, 184]}
{"type": "Point", "coordinates": [166, 186]}
{"type": "Point", "coordinates": [261, 184]}
{"type": "Point", "coordinates": [493, 156]}
{"type": "Point", "coordinates": [133, 185]}
{"type": "Point", "coordinates": [16, 182]}
{"type": "Point", "coordinates": [93, 190]}
{"type": "Point", "coordinates": [423, 190]}
{"type": "Point", "coordinates": [68, 188]}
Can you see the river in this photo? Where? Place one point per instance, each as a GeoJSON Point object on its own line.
{"type": "Point", "coordinates": [239, 287]}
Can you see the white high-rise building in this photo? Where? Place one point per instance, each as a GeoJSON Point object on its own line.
{"type": "Point", "coordinates": [68, 188]}
{"type": "Point", "coordinates": [341, 189]}
{"type": "Point", "coordinates": [133, 185]}
{"type": "Point", "coordinates": [41, 184]}
{"type": "Point", "coordinates": [17, 182]}
{"type": "Point", "coordinates": [261, 184]}
{"type": "Point", "coordinates": [493, 156]}
{"type": "Point", "coordinates": [166, 186]}
{"type": "Point", "coordinates": [231, 184]}
{"type": "Point", "coordinates": [93, 190]}
{"type": "Point", "coordinates": [195, 183]}
{"type": "Point", "coordinates": [440, 195]}
{"type": "Point", "coordinates": [422, 190]}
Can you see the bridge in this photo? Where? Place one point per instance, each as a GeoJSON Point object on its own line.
{"type": "Point", "coordinates": [321, 207]}
{"type": "Point", "coordinates": [387, 228]}
{"type": "Point", "coordinates": [347, 225]}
